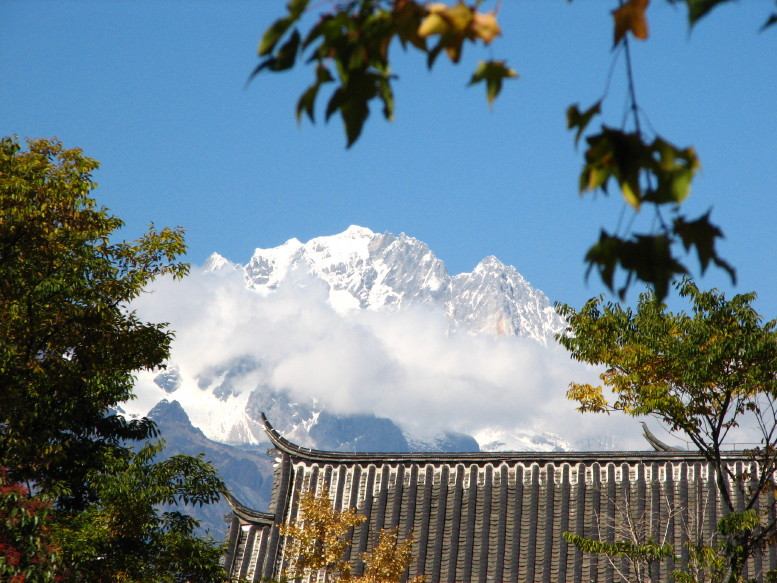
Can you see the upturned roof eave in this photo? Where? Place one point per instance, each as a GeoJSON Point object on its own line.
{"type": "Point", "coordinates": [315, 455]}
{"type": "Point", "coordinates": [248, 514]}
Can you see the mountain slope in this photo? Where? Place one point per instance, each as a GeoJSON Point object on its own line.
{"type": "Point", "coordinates": [362, 341]}
{"type": "Point", "coordinates": [372, 271]}
{"type": "Point", "coordinates": [247, 474]}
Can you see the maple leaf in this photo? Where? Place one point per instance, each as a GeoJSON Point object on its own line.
{"type": "Point", "coordinates": [631, 17]}
{"type": "Point", "coordinates": [444, 19]}
{"type": "Point", "coordinates": [484, 26]}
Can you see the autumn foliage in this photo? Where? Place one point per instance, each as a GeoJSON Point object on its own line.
{"type": "Point", "coordinates": [318, 538]}
{"type": "Point", "coordinates": [27, 552]}
{"type": "Point", "coordinates": [703, 374]}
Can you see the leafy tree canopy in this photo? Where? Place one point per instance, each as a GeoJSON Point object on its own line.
{"type": "Point", "coordinates": [82, 503]}
{"type": "Point", "coordinates": [319, 539]}
{"type": "Point", "coordinates": [68, 343]}
{"type": "Point", "coordinates": [703, 374]}
{"type": "Point", "coordinates": [135, 531]}
{"type": "Point", "coordinates": [349, 45]}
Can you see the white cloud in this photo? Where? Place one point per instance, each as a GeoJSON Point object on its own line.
{"type": "Point", "coordinates": [402, 365]}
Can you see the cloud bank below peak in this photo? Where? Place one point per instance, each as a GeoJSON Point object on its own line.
{"type": "Point", "coordinates": [407, 364]}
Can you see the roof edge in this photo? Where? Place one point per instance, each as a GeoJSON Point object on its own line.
{"type": "Point", "coordinates": [248, 514]}
{"type": "Point", "coordinates": [305, 453]}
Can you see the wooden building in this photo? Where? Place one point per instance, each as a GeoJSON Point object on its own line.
{"type": "Point", "coordinates": [493, 517]}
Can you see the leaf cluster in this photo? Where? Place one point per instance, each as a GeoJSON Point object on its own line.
{"type": "Point", "coordinates": [704, 374]}
{"type": "Point", "coordinates": [134, 529]}
{"type": "Point", "coordinates": [644, 553]}
{"type": "Point", "coordinates": [705, 563]}
{"type": "Point", "coordinates": [319, 539]}
{"type": "Point", "coordinates": [350, 46]}
{"type": "Point", "coordinates": [28, 552]}
{"type": "Point", "coordinates": [387, 562]}
{"type": "Point", "coordinates": [699, 372]}
{"type": "Point", "coordinates": [651, 173]}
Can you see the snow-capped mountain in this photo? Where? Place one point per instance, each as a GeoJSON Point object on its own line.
{"type": "Point", "coordinates": [379, 348]}
{"type": "Point", "coordinates": [365, 270]}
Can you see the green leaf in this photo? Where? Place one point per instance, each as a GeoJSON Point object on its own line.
{"type": "Point", "coordinates": [697, 9]}
{"type": "Point", "coordinates": [493, 73]}
{"type": "Point", "coordinates": [283, 60]}
{"type": "Point", "coordinates": [387, 96]}
{"type": "Point", "coordinates": [273, 34]}
{"type": "Point", "coordinates": [576, 119]}
{"type": "Point", "coordinates": [646, 257]}
{"type": "Point", "coordinates": [307, 100]}
{"type": "Point", "coordinates": [614, 153]}
{"type": "Point", "coordinates": [353, 108]}
{"type": "Point", "coordinates": [674, 170]}
{"type": "Point", "coordinates": [701, 234]}
{"type": "Point", "coordinates": [287, 54]}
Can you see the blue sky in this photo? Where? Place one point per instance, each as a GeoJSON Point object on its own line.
{"type": "Point", "coordinates": [156, 92]}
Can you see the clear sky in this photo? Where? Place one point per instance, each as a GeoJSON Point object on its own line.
{"type": "Point", "coordinates": [156, 92]}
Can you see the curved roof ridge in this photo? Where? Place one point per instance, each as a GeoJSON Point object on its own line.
{"type": "Point", "coordinates": [657, 444]}
{"type": "Point", "coordinates": [306, 453]}
{"type": "Point", "coordinates": [247, 513]}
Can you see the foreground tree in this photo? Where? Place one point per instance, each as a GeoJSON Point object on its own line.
{"type": "Point", "coordinates": [28, 553]}
{"type": "Point", "coordinates": [134, 531]}
{"type": "Point", "coordinates": [702, 374]}
{"type": "Point", "coordinates": [69, 348]}
{"type": "Point", "coordinates": [318, 541]}
{"type": "Point", "coordinates": [350, 46]}
{"type": "Point", "coordinates": [387, 562]}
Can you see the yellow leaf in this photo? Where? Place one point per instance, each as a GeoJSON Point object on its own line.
{"type": "Point", "coordinates": [485, 27]}
{"type": "Point", "coordinates": [631, 17]}
{"type": "Point", "coordinates": [432, 24]}
{"type": "Point", "coordinates": [589, 397]}
{"type": "Point", "coordinates": [630, 195]}
{"type": "Point", "coordinates": [458, 16]}
{"type": "Point", "coordinates": [443, 19]}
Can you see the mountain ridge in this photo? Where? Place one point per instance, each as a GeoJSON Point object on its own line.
{"type": "Point", "coordinates": [358, 272]}
{"type": "Point", "coordinates": [365, 270]}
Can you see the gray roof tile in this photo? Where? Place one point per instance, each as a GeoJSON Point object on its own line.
{"type": "Point", "coordinates": [477, 517]}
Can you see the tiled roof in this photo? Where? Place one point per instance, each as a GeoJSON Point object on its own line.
{"type": "Point", "coordinates": [483, 517]}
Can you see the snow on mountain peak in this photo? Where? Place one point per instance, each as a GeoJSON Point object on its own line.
{"type": "Point", "coordinates": [365, 270]}
{"type": "Point", "coordinates": [215, 262]}
{"type": "Point", "coordinates": [357, 231]}
{"type": "Point", "coordinates": [489, 263]}
{"type": "Point", "coordinates": [300, 333]}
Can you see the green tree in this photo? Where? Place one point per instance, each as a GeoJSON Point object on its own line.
{"type": "Point", "coordinates": [350, 48]}
{"type": "Point", "coordinates": [69, 348]}
{"type": "Point", "coordinates": [134, 533]}
{"type": "Point", "coordinates": [702, 374]}
{"type": "Point", "coordinates": [68, 343]}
